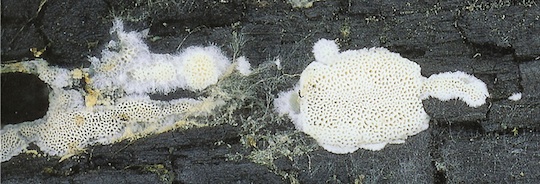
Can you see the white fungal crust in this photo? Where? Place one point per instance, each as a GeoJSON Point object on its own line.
{"type": "Point", "coordinates": [455, 85]}
{"type": "Point", "coordinates": [202, 66]}
{"type": "Point", "coordinates": [12, 142]}
{"type": "Point", "coordinates": [128, 65]}
{"type": "Point", "coordinates": [162, 75]}
{"type": "Point", "coordinates": [359, 99]}
{"type": "Point", "coordinates": [515, 97]}
{"type": "Point", "coordinates": [66, 132]}
{"type": "Point", "coordinates": [69, 127]}
{"type": "Point", "coordinates": [15, 138]}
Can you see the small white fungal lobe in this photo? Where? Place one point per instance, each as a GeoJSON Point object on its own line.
{"type": "Point", "coordinates": [243, 66]}
{"type": "Point", "coordinates": [128, 65]}
{"type": "Point", "coordinates": [456, 85]}
{"type": "Point", "coordinates": [202, 66]}
{"type": "Point", "coordinates": [68, 127]}
{"type": "Point", "coordinates": [515, 97]}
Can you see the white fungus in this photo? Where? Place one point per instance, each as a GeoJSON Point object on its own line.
{"type": "Point", "coordinates": [243, 66]}
{"type": "Point", "coordinates": [455, 85]}
{"type": "Point", "coordinates": [12, 142]}
{"type": "Point", "coordinates": [202, 66]}
{"type": "Point", "coordinates": [124, 76]}
{"type": "Point", "coordinates": [68, 128]}
{"type": "Point", "coordinates": [515, 97]}
{"type": "Point", "coordinates": [364, 98]}
{"type": "Point", "coordinates": [129, 66]}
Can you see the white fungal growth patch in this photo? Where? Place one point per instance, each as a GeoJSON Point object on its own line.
{"type": "Point", "coordinates": [455, 85]}
{"type": "Point", "coordinates": [325, 51]}
{"type": "Point", "coordinates": [12, 142]}
{"type": "Point", "coordinates": [515, 97]}
{"type": "Point", "coordinates": [67, 130]}
{"type": "Point", "coordinates": [202, 66]}
{"type": "Point", "coordinates": [69, 127]}
{"type": "Point", "coordinates": [243, 66]}
{"type": "Point", "coordinates": [368, 98]}
{"type": "Point", "coordinates": [128, 65]}
{"type": "Point", "coordinates": [121, 81]}
{"type": "Point", "coordinates": [357, 99]}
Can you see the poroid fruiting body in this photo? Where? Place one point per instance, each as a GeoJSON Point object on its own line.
{"type": "Point", "coordinates": [367, 98]}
